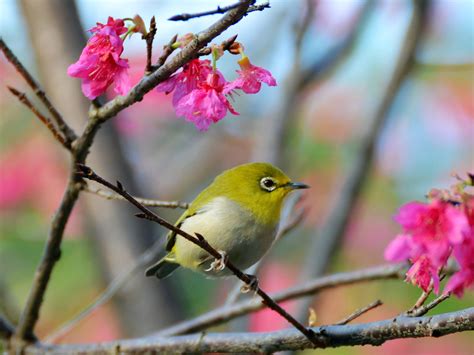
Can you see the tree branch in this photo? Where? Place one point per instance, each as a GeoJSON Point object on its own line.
{"type": "Point", "coordinates": [199, 240]}
{"type": "Point", "coordinates": [374, 333]}
{"type": "Point", "coordinates": [38, 91]}
{"type": "Point", "coordinates": [226, 313]}
{"type": "Point", "coordinates": [45, 120]}
{"type": "Point", "coordinates": [219, 10]}
{"type": "Point", "coordinates": [359, 312]}
{"type": "Point", "coordinates": [144, 201]}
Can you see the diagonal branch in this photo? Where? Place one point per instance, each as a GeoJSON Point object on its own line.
{"type": "Point", "coordinates": [374, 333]}
{"type": "Point", "coordinates": [359, 312]}
{"type": "Point", "coordinates": [219, 10]}
{"type": "Point", "coordinates": [38, 91]}
{"type": "Point", "coordinates": [45, 120]}
{"type": "Point", "coordinates": [88, 173]}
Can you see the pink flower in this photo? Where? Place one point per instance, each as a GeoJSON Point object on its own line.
{"type": "Point", "coordinates": [194, 72]}
{"type": "Point", "coordinates": [399, 249]}
{"type": "Point", "coordinates": [432, 231]}
{"type": "Point", "coordinates": [422, 272]}
{"type": "Point", "coordinates": [207, 103]}
{"type": "Point", "coordinates": [100, 65]}
{"type": "Point", "coordinates": [436, 220]}
{"type": "Point", "coordinates": [251, 78]}
{"type": "Point", "coordinates": [464, 254]}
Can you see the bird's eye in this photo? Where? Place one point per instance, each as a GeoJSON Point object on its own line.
{"type": "Point", "coordinates": [268, 184]}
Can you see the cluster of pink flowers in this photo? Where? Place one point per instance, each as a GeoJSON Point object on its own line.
{"type": "Point", "coordinates": [100, 65]}
{"type": "Point", "coordinates": [433, 232]}
{"type": "Point", "coordinates": [200, 92]}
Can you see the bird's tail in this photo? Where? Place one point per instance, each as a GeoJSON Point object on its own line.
{"type": "Point", "coordinates": [163, 268]}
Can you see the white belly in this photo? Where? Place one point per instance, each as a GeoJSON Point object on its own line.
{"type": "Point", "coordinates": [229, 228]}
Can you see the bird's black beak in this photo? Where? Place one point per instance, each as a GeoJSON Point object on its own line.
{"type": "Point", "coordinates": [297, 185]}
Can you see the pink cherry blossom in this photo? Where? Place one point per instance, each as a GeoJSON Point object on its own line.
{"type": "Point", "coordinates": [193, 73]}
{"type": "Point", "coordinates": [399, 249]}
{"type": "Point", "coordinates": [431, 232]}
{"type": "Point", "coordinates": [207, 103]}
{"type": "Point", "coordinates": [100, 65]}
{"type": "Point", "coordinates": [251, 78]}
{"type": "Point", "coordinates": [422, 272]}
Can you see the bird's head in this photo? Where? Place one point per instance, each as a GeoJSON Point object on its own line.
{"type": "Point", "coordinates": [258, 187]}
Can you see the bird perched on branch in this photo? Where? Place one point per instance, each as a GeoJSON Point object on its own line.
{"type": "Point", "coordinates": [238, 215]}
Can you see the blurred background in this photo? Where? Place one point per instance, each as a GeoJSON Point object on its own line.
{"type": "Point", "coordinates": [333, 61]}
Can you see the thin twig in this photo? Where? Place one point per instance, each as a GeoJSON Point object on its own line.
{"type": "Point", "coordinates": [225, 45]}
{"type": "Point", "coordinates": [81, 146]}
{"type": "Point", "coordinates": [38, 91]}
{"type": "Point", "coordinates": [374, 333]}
{"type": "Point", "coordinates": [167, 50]}
{"type": "Point", "coordinates": [46, 121]}
{"type": "Point", "coordinates": [219, 10]}
{"type": "Point", "coordinates": [359, 312]}
{"type": "Point", "coordinates": [88, 173]}
{"type": "Point", "coordinates": [144, 201]}
{"type": "Point", "coordinates": [149, 37]}
{"type": "Point", "coordinates": [425, 309]}
{"type": "Point", "coordinates": [308, 288]}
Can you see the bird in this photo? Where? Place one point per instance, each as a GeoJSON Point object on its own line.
{"type": "Point", "coordinates": [238, 214]}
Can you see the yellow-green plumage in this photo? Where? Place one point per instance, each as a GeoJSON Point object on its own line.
{"type": "Point", "coordinates": [237, 214]}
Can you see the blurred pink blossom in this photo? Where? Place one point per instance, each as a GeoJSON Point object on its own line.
{"type": "Point", "coordinates": [432, 231]}
{"type": "Point", "coordinates": [251, 78]}
{"type": "Point", "coordinates": [207, 104]}
{"type": "Point", "coordinates": [100, 65]}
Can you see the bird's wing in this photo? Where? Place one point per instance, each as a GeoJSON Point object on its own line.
{"type": "Point", "coordinates": [197, 206]}
{"type": "Point", "coordinates": [171, 237]}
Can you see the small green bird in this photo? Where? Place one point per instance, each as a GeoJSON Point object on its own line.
{"type": "Point", "coordinates": [238, 215]}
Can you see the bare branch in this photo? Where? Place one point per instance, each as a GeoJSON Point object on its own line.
{"type": "Point", "coordinates": [359, 312]}
{"type": "Point", "coordinates": [374, 333]}
{"type": "Point", "coordinates": [62, 125]}
{"type": "Point", "coordinates": [46, 121]}
{"type": "Point", "coordinates": [144, 201]}
{"type": "Point", "coordinates": [149, 37]}
{"type": "Point", "coordinates": [425, 309]}
{"type": "Point", "coordinates": [219, 10]}
{"type": "Point", "coordinates": [226, 313]}
{"type": "Point", "coordinates": [87, 173]}
{"type": "Point", "coordinates": [167, 50]}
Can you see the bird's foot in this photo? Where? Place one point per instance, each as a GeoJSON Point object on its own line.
{"type": "Point", "coordinates": [251, 286]}
{"type": "Point", "coordinates": [219, 264]}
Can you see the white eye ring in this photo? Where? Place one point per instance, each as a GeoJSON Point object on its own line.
{"type": "Point", "coordinates": [268, 184]}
